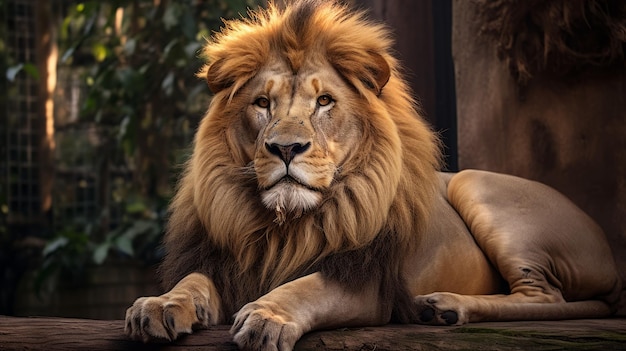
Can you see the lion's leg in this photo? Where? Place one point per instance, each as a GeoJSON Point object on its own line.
{"type": "Point", "coordinates": [454, 309]}
{"type": "Point", "coordinates": [529, 287]}
{"type": "Point", "coordinates": [278, 319]}
{"type": "Point", "coordinates": [532, 297]}
{"type": "Point", "coordinates": [193, 302]}
{"type": "Point", "coordinates": [547, 250]}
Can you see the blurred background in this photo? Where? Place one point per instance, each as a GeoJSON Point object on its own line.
{"type": "Point", "coordinates": [99, 106]}
{"type": "Point", "coordinates": [99, 103]}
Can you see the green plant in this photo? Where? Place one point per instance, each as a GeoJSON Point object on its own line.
{"type": "Point", "coordinates": [139, 60]}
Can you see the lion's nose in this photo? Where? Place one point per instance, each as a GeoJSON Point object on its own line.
{"type": "Point", "coordinates": [287, 152]}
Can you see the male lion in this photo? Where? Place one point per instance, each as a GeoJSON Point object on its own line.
{"type": "Point", "coordinates": [313, 200]}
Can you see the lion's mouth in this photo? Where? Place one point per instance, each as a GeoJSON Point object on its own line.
{"type": "Point", "coordinates": [290, 198]}
{"type": "Point", "coordinates": [288, 179]}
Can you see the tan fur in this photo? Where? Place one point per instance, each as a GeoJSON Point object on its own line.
{"type": "Point", "coordinates": [312, 200]}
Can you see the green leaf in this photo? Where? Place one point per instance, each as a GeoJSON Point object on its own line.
{"type": "Point", "coordinates": [168, 84]}
{"type": "Point", "coordinates": [172, 15]}
{"type": "Point", "coordinates": [101, 252]}
{"type": "Point", "coordinates": [145, 68]}
{"type": "Point", "coordinates": [68, 53]}
{"type": "Point", "coordinates": [135, 207]}
{"type": "Point", "coordinates": [13, 71]}
{"type": "Point", "coordinates": [124, 126]}
{"type": "Point", "coordinates": [144, 226]}
{"type": "Point", "coordinates": [130, 46]}
{"type": "Point", "coordinates": [91, 21]}
{"type": "Point", "coordinates": [29, 68]}
{"type": "Point", "coordinates": [192, 49]}
{"type": "Point", "coordinates": [55, 245]}
{"type": "Point", "coordinates": [124, 244]}
{"type": "Point", "coordinates": [131, 81]}
{"type": "Point", "coordinates": [168, 48]}
{"type": "Point", "coordinates": [99, 51]}
{"type": "Point", "coordinates": [65, 28]}
{"type": "Point", "coordinates": [189, 25]}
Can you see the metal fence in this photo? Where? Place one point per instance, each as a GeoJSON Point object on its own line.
{"type": "Point", "coordinates": [21, 123]}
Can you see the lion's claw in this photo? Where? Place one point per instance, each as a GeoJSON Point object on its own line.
{"type": "Point", "coordinates": [258, 328]}
{"type": "Point", "coordinates": [164, 318]}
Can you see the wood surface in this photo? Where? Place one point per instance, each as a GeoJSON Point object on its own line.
{"type": "Point", "coordinates": [83, 334]}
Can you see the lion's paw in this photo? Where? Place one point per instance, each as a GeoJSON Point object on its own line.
{"type": "Point", "coordinates": [165, 318]}
{"type": "Point", "coordinates": [260, 328]}
{"type": "Point", "coordinates": [441, 309]}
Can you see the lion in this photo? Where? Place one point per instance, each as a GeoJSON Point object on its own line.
{"type": "Point", "coordinates": [314, 199]}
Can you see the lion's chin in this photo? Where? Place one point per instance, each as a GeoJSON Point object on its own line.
{"type": "Point", "coordinates": [290, 198]}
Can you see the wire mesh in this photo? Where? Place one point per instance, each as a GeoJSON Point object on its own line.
{"type": "Point", "coordinates": [22, 122]}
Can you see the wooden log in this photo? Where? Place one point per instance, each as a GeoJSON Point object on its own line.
{"type": "Point", "coordinates": [83, 334]}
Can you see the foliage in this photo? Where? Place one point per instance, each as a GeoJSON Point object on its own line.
{"type": "Point", "coordinates": [139, 60]}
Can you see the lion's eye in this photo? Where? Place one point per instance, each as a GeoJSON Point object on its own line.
{"type": "Point", "coordinates": [324, 100]}
{"type": "Point", "coordinates": [262, 102]}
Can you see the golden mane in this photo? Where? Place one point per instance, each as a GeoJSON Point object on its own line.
{"type": "Point", "coordinates": [384, 191]}
{"type": "Point", "coordinates": [311, 27]}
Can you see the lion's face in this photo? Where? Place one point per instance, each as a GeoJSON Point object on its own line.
{"type": "Point", "coordinates": [297, 130]}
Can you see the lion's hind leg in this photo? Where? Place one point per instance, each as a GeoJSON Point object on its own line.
{"type": "Point", "coordinates": [554, 257]}
{"type": "Point", "coordinates": [530, 295]}
{"type": "Point", "coordinates": [443, 308]}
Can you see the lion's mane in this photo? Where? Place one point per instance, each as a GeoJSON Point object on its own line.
{"type": "Point", "coordinates": [374, 210]}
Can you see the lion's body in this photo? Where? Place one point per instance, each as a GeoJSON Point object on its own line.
{"type": "Point", "coordinates": [516, 229]}
{"type": "Point", "coordinates": [313, 200]}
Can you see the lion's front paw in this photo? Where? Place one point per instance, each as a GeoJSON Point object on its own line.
{"type": "Point", "coordinates": [261, 328]}
{"type": "Point", "coordinates": [166, 317]}
{"type": "Point", "coordinates": [441, 309]}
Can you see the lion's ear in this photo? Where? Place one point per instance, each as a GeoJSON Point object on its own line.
{"type": "Point", "coordinates": [371, 70]}
{"type": "Point", "coordinates": [380, 72]}
{"type": "Point", "coordinates": [216, 79]}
